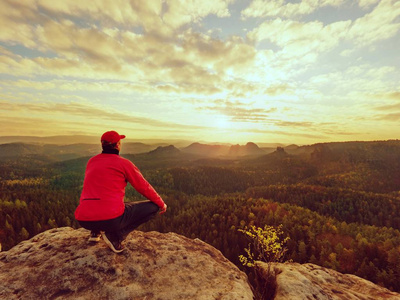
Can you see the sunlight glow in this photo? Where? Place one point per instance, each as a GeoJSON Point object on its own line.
{"type": "Point", "coordinates": [222, 122]}
{"type": "Point", "coordinates": [232, 69]}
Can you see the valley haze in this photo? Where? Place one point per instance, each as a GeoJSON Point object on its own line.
{"type": "Point", "coordinates": [89, 139]}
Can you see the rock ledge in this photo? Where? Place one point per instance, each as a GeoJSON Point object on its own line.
{"type": "Point", "coordinates": [308, 281]}
{"type": "Point", "coordinates": [61, 264]}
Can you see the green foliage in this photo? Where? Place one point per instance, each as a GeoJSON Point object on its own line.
{"type": "Point", "coordinates": [338, 202]}
{"type": "Point", "coordinates": [343, 204]}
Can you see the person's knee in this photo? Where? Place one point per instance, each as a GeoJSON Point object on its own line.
{"type": "Point", "coordinates": [153, 208]}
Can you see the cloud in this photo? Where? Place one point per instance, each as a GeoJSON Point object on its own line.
{"type": "Point", "coordinates": [391, 96]}
{"type": "Point", "coordinates": [389, 112]}
{"type": "Point", "coordinates": [36, 85]}
{"type": "Point", "coordinates": [292, 133]}
{"type": "Point", "coordinates": [180, 12]}
{"type": "Point", "coordinates": [83, 111]}
{"type": "Point", "coordinates": [239, 112]}
{"type": "Point", "coordinates": [15, 20]}
{"type": "Point", "coordinates": [77, 40]}
{"type": "Point", "coordinates": [380, 24]}
{"type": "Point", "coordinates": [120, 38]}
{"type": "Point", "coordinates": [286, 73]}
{"type": "Point", "coordinates": [277, 89]}
{"type": "Point", "coordinates": [111, 14]}
{"type": "Point", "coordinates": [393, 117]}
{"type": "Point", "coordinates": [158, 16]}
{"type": "Point", "coordinates": [286, 9]}
{"type": "Point", "coordinates": [12, 125]}
{"type": "Point", "coordinates": [303, 41]}
{"type": "Point", "coordinates": [357, 82]}
{"type": "Point", "coordinates": [365, 4]}
{"type": "Point", "coordinates": [293, 124]}
{"type": "Point", "coordinates": [117, 87]}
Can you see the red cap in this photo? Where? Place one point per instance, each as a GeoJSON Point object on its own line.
{"type": "Point", "coordinates": [111, 137]}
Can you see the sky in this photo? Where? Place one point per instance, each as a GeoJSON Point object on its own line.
{"type": "Point", "coordinates": [221, 71]}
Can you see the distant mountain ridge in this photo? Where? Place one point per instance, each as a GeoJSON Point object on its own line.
{"type": "Point", "coordinates": [65, 152]}
{"type": "Point", "coordinates": [246, 150]}
{"type": "Point", "coordinates": [346, 152]}
{"type": "Point", "coordinates": [91, 139]}
{"type": "Point", "coordinates": [56, 152]}
{"type": "Point", "coordinates": [72, 151]}
{"type": "Point", "coordinates": [206, 149]}
{"type": "Point", "coordinates": [237, 150]}
{"type": "Point", "coordinates": [59, 139]}
{"type": "Point", "coordinates": [169, 150]}
{"type": "Point", "coordinates": [84, 139]}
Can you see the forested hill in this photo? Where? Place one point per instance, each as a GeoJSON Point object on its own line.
{"type": "Point", "coordinates": [345, 152]}
{"type": "Point", "coordinates": [338, 202]}
{"type": "Point", "coordinates": [53, 152]}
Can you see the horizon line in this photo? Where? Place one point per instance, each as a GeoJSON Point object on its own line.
{"type": "Point", "coordinates": [178, 140]}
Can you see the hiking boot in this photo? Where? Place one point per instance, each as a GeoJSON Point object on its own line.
{"type": "Point", "coordinates": [94, 237]}
{"type": "Point", "coordinates": [113, 243]}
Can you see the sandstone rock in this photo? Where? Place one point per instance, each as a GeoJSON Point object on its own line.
{"type": "Point", "coordinates": [308, 281]}
{"type": "Point", "coordinates": [61, 264]}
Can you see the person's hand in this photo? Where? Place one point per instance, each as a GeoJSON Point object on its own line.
{"type": "Point", "coordinates": [163, 209]}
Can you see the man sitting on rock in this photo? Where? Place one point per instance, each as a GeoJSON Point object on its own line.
{"type": "Point", "coordinates": [102, 209]}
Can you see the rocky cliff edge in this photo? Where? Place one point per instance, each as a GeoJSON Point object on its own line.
{"type": "Point", "coordinates": [61, 264]}
{"type": "Point", "coordinates": [308, 281]}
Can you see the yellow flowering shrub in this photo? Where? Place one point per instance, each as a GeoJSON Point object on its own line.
{"type": "Point", "coordinates": [266, 244]}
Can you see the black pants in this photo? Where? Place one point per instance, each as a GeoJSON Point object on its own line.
{"type": "Point", "coordinates": [135, 213]}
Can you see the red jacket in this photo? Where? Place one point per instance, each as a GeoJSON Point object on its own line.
{"type": "Point", "coordinates": [104, 185]}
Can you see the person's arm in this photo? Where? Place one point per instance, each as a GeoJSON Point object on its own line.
{"type": "Point", "coordinates": [136, 179]}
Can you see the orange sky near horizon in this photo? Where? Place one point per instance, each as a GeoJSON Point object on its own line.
{"type": "Point", "coordinates": [229, 71]}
